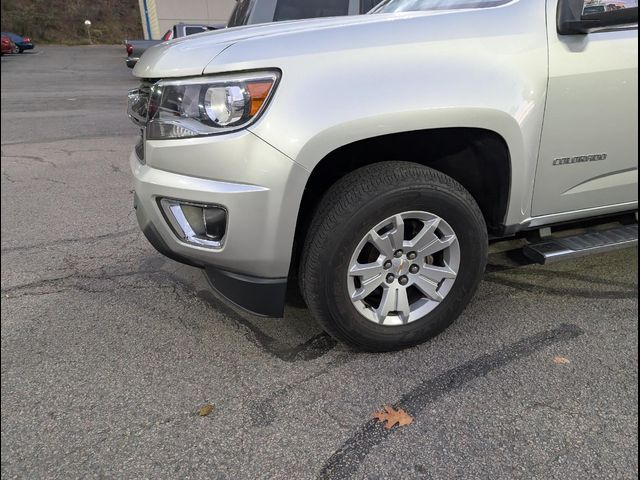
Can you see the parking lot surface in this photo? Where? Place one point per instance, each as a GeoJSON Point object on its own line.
{"type": "Point", "coordinates": [109, 350]}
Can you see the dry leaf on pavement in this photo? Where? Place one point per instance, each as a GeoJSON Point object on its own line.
{"type": "Point", "coordinates": [205, 410]}
{"type": "Point", "coordinates": [393, 417]}
{"type": "Point", "coordinates": [561, 360]}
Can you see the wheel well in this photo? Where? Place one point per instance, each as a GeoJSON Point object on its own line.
{"type": "Point", "coordinates": [477, 158]}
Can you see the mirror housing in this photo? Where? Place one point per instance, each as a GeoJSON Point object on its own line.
{"type": "Point", "coordinates": [571, 21]}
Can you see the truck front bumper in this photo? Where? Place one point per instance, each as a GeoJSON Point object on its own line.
{"type": "Point", "coordinates": [258, 187]}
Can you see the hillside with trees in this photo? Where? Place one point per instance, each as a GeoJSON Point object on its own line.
{"type": "Point", "coordinates": [62, 21]}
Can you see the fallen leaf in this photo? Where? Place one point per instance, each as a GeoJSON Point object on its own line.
{"type": "Point", "coordinates": [393, 417]}
{"type": "Point", "coordinates": [561, 360]}
{"type": "Point", "coordinates": [205, 410]}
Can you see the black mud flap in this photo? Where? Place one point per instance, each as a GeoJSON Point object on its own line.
{"type": "Point", "coordinates": [260, 296]}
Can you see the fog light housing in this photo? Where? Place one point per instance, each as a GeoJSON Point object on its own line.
{"type": "Point", "coordinates": [198, 224]}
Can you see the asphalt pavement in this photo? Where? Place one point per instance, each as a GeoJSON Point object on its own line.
{"type": "Point", "coordinates": [109, 350]}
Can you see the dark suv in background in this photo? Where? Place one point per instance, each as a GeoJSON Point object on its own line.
{"type": "Point", "coordinates": [248, 12]}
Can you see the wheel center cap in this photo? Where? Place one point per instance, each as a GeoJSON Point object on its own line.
{"type": "Point", "coordinates": [400, 265]}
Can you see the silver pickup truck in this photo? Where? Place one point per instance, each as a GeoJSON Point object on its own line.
{"type": "Point", "coordinates": [371, 159]}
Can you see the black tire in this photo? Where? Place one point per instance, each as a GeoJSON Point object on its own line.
{"type": "Point", "coordinates": [354, 205]}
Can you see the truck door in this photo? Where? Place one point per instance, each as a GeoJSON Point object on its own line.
{"type": "Point", "coordinates": [588, 154]}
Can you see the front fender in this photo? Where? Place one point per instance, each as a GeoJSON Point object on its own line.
{"type": "Point", "coordinates": [485, 68]}
{"type": "Point", "coordinates": [326, 141]}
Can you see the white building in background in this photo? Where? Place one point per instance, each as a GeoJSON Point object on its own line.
{"type": "Point", "coordinates": [158, 16]}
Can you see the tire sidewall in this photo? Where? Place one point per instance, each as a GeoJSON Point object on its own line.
{"type": "Point", "coordinates": [471, 236]}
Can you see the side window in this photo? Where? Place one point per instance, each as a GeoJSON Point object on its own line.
{"type": "Point", "coordinates": [240, 14]}
{"type": "Point", "coordinates": [366, 5]}
{"type": "Point", "coordinates": [579, 17]}
{"type": "Point", "coordinates": [298, 9]}
{"type": "Point", "coordinates": [593, 9]}
{"type": "Point", "coordinates": [193, 30]}
{"type": "Point", "coordinates": [611, 12]}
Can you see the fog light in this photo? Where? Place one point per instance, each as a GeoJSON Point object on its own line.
{"type": "Point", "coordinates": [198, 224]}
{"type": "Point", "coordinates": [215, 222]}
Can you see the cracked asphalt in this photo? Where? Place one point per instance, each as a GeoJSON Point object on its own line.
{"type": "Point", "coordinates": [109, 349]}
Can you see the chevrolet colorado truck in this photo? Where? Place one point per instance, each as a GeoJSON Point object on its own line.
{"type": "Point", "coordinates": [371, 159]}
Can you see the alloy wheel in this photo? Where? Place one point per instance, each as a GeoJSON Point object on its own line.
{"type": "Point", "coordinates": [403, 268]}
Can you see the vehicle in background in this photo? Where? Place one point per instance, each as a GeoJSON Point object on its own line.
{"type": "Point", "coordinates": [248, 12]}
{"type": "Point", "coordinates": [20, 43]}
{"type": "Point", "coordinates": [7, 45]}
{"type": "Point", "coordinates": [135, 48]}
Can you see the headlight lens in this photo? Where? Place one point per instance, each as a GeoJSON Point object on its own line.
{"type": "Point", "coordinates": [209, 105]}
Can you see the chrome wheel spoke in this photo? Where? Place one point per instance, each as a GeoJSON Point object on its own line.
{"type": "Point", "coordinates": [371, 277]}
{"type": "Point", "coordinates": [437, 274]}
{"type": "Point", "coordinates": [437, 245]}
{"type": "Point", "coordinates": [366, 289]}
{"type": "Point", "coordinates": [402, 304]}
{"type": "Point", "coordinates": [394, 299]}
{"type": "Point", "coordinates": [425, 236]}
{"type": "Point", "coordinates": [387, 304]}
{"type": "Point", "coordinates": [366, 270]}
{"type": "Point", "coordinates": [428, 287]}
{"type": "Point", "coordinates": [397, 234]}
{"type": "Point", "coordinates": [382, 244]}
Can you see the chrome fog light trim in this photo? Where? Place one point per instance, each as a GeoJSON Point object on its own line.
{"type": "Point", "coordinates": [192, 227]}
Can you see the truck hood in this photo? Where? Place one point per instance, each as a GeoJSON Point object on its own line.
{"type": "Point", "coordinates": [188, 56]}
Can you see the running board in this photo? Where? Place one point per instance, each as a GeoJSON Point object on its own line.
{"type": "Point", "coordinates": [557, 249]}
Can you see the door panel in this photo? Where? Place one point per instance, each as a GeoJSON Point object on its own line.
{"type": "Point", "coordinates": [589, 146]}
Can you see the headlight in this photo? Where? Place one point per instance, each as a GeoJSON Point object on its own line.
{"type": "Point", "coordinates": [208, 105]}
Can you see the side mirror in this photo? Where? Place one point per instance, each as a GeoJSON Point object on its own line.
{"type": "Point", "coordinates": [575, 17]}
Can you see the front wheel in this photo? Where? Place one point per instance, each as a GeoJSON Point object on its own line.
{"type": "Point", "coordinates": [395, 252]}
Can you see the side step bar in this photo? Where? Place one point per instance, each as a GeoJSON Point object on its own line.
{"type": "Point", "coordinates": [557, 249]}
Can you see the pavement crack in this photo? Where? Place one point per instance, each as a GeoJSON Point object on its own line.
{"type": "Point", "coordinates": [53, 243]}
{"type": "Point", "coordinates": [565, 291]}
{"type": "Point", "coordinates": [31, 157]}
{"type": "Point", "coordinates": [87, 284]}
{"type": "Point", "coordinates": [8, 178]}
{"type": "Point", "coordinates": [549, 406]}
{"type": "Point", "coordinates": [345, 462]}
{"type": "Point", "coordinates": [7, 292]}
{"type": "Point", "coordinates": [70, 151]}
{"type": "Point", "coordinates": [314, 348]}
{"type": "Point", "coordinates": [262, 412]}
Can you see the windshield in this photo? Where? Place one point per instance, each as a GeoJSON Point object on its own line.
{"type": "Point", "coordinates": [390, 6]}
